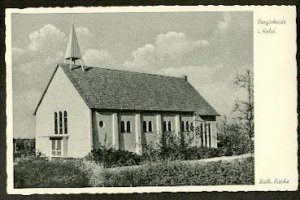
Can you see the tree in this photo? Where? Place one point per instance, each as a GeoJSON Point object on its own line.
{"type": "Point", "coordinates": [232, 140]}
{"type": "Point", "coordinates": [245, 108]}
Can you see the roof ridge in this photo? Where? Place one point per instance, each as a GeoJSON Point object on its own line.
{"type": "Point", "coordinates": [121, 70]}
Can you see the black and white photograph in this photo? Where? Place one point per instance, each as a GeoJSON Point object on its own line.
{"type": "Point", "coordinates": [132, 99]}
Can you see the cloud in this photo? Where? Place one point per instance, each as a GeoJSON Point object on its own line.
{"type": "Point", "coordinates": [48, 39]}
{"type": "Point", "coordinates": [225, 23]}
{"type": "Point", "coordinates": [37, 60]}
{"type": "Point", "coordinates": [98, 58]}
{"type": "Point", "coordinates": [84, 32]}
{"type": "Point", "coordinates": [169, 50]}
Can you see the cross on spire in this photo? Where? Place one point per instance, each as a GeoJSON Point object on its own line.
{"type": "Point", "coordinates": [73, 50]}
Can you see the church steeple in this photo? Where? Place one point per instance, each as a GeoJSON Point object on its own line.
{"type": "Point", "coordinates": [73, 50]}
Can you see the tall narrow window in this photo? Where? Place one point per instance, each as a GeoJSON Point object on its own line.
{"type": "Point", "coordinates": [165, 126]}
{"type": "Point", "coordinates": [209, 135]}
{"type": "Point", "coordinates": [55, 123]}
{"type": "Point", "coordinates": [150, 126]}
{"type": "Point", "coordinates": [60, 123]}
{"type": "Point", "coordinates": [169, 126]}
{"type": "Point", "coordinates": [187, 126]}
{"type": "Point", "coordinates": [144, 126]}
{"type": "Point", "coordinates": [205, 135]}
{"type": "Point", "coordinates": [182, 126]}
{"type": "Point", "coordinates": [66, 122]}
{"type": "Point", "coordinates": [122, 127]}
{"type": "Point", "coordinates": [128, 127]}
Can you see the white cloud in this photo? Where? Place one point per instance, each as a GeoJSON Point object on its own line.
{"type": "Point", "coordinates": [98, 58]}
{"type": "Point", "coordinates": [84, 32]}
{"type": "Point", "coordinates": [48, 39]}
{"type": "Point", "coordinates": [169, 49]}
{"type": "Point", "coordinates": [225, 23]}
{"type": "Point", "coordinates": [173, 44]}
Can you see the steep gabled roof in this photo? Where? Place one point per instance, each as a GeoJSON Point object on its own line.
{"type": "Point", "coordinates": [111, 89]}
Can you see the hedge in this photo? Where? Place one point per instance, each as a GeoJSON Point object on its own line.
{"type": "Point", "coordinates": [235, 172]}
{"type": "Point", "coordinates": [39, 173]}
{"type": "Point", "coordinates": [110, 157]}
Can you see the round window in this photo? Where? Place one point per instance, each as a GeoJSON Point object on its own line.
{"type": "Point", "coordinates": [101, 124]}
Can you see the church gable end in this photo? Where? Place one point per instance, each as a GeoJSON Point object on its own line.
{"type": "Point", "coordinates": [62, 97]}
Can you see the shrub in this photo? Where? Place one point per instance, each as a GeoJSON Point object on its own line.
{"type": "Point", "coordinates": [110, 157]}
{"type": "Point", "coordinates": [233, 140]}
{"type": "Point", "coordinates": [238, 171]}
{"type": "Point", "coordinates": [41, 173]}
{"type": "Point", "coordinates": [93, 171]}
{"type": "Point", "coordinates": [178, 148]}
{"type": "Point", "coordinates": [24, 148]}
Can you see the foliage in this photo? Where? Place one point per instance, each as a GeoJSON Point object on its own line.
{"type": "Point", "coordinates": [170, 147]}
{"type": "Point", "coordinates": [110, 157]}
{"type": "Point", "coordinates": [245, 108]}
{"type": "Point", "coordinates": [233, 140]}
{"type": "Point", "coordinates": [41, 173]}
{"type": "Point", "coordinates": [181, 147]}
{"type": "Point", "coordinates": [24, 148]}
{"type": "Point", "coordinates": [238, 171]}
{"type": "Point", "coordinates": [93, 171]}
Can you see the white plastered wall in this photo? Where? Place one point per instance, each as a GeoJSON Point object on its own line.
{"type": "Point", "coordinates": [62, 96]}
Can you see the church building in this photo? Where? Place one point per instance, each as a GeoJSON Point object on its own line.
{"type": "Point", "coordinates": [85, 107]}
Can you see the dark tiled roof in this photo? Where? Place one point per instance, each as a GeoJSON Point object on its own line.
{"type": "Point", "coordinates": [123, 90]}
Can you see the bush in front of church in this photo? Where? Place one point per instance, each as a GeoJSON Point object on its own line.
{"type": "Point", "coordinates": [110, 157]}
{"type": "Point", "coordinates": [41, 173]}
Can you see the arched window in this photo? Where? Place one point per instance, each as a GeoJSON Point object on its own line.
{"type": "Point", "coordinates": [122, 127]}
{"type": "Point", "coordinates": [66, 122]}
{"type": "Point", "coordinates": [60, 123]}
{"type": "Point", "coordinates": [150, 126]}
{"type": "Point", "coordinates": [169, 126]}
{"type": "Point", "coordinates": [164, 126]}
{"type": "Point", "coordinates": [128, 127]}
{"type": "Point", "coordinates": [55, 123]}
{"type": "Point", "coordinates": [182, 126]}
{"type": "Point", "coordinates": [187, 126]}
{"type": "Point", "coordinates": [144, 126]}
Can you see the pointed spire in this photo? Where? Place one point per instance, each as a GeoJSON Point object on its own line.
{"type": "Point", "coordinates": [73, 50]}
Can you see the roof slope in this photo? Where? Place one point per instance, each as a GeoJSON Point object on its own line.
{"type": "Point", "coordinates": [123, 90]}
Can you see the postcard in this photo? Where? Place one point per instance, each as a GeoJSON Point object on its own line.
{"type": "Point", "coordinates": [151, 99]}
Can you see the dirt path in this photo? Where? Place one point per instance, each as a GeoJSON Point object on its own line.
{"type": "Point", "coordinates": [227, 158]}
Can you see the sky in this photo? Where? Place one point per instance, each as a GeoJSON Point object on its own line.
{"type": "Point", "coordinates": [209, 47]}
